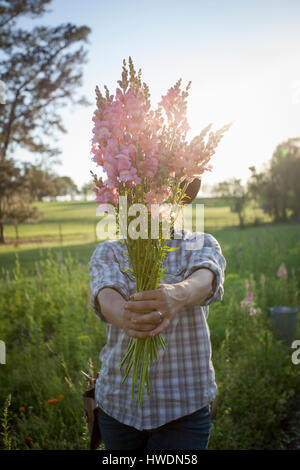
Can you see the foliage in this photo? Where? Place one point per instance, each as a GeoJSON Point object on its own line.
{"type": "Point", "coordinates": [14, 199]}
{"type": "Point", "coordinates": [42, 70]}
{"type": "Point", "coordinates": [277, 187]}
{"type": "Point", "coordinates": [5, 434]}
{"type": "Point", "coordinates": [87, 189]}
{"type": "Point", "coordinates": [51, 334]}
{"type": "Point", "coordinates": [10, 11]}
{"type": "Point", "coordinates": [236, 195]}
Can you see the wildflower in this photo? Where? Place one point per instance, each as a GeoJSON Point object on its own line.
{"type": "Point", "coordinates": [28, 441]}
{"type": "Point", "coordinates": [250, 296]}
{"type": "Point", "coordinates": [52, 401]}
{"type": "Point", "coordinates": [248, 301]}
{"type": "Point", "coordinates": [282, 271]}
{"type": "Point", "coordinates": [254, 311]}
{"type": "Point", "coordinates": [60, 396]}
{"type": "Point", "coordinates": [247, 285]}
{"type": "Point", "coordinates": [22, 408]}
{"type": "Point", "coordinates": [262, 279]}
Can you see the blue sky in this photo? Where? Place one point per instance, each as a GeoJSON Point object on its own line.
{"type": "Point", "coordinates": [243, 58]}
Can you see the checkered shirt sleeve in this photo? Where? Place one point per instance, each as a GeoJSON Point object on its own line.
{"type": "Point", "coordinates": [105, 271]}
{"type": "Point", "coordinates": [209, 256]}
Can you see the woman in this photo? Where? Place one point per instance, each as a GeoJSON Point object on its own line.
{"type": "Point", "coordinates": [176, 414]}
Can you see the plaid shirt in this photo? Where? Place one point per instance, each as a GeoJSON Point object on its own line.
{"type": "Point", "coordinates": [182, 380]}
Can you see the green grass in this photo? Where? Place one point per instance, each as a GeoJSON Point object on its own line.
{"type": "Point", "coordinates": [77, 220]}
{"type": "Point", "coordinates": [74, 222]}
{"type": "Point", "coordinates": [52, 333]}
{"type": "Point", "coordinates": [70, 227]}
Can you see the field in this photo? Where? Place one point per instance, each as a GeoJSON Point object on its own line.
{"type": "Point", "coordinates": [71, 226]}
{"type": "Point", "coordinates": [51, 332]}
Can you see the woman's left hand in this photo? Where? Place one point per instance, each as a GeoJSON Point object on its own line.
{"type": "Point", "coordinates": [168, 299]}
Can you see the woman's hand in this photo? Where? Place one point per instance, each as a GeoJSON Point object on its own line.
{"type": "Point", "coordinates": [141, 317]}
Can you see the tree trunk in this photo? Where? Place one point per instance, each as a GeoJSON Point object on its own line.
{"type": "Point", "coordinates": [241, 218]}
{"type": "Point", "coordinates": [2, 240]}
{"type": "Point", "coordinates": [17, 235]}
{"type": "Point", "coordinates": [283, 214]}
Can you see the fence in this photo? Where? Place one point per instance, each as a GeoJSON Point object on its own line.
{"type": "Point", "coordinates": [62, 235]}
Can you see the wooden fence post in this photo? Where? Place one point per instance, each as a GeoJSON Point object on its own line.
{"type": "Point", "coordinates": [95, 230]}
{"type": "Point", "coordinates": [60, 234]}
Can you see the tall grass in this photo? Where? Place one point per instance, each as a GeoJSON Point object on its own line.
{"type": "Point", "coordinates": [51, 334]}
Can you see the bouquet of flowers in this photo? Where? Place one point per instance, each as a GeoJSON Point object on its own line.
{"type": "Point", "coordinates": [146, 158]}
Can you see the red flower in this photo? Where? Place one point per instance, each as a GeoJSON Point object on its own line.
{"type": "Point", "coordinates": [22, 408]}
{"type": "Point", "coordinates": [52, 401]}
{"type": "Point", "coordinates": [28, 441]}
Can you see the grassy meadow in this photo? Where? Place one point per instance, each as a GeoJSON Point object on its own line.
{"type": "Point", "coordinates": [51, 332]}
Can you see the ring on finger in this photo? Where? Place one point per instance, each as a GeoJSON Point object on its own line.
{"type": "Point", "coordinates": [160, 315]}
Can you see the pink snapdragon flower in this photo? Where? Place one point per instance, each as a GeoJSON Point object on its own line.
{"type": "Point", "coordinates": [148, 167]}
{"type": "Point", "coordinates": [102, 133]}
{"type": "Point", "coordinates": [250, 296]}
{"type": "Point", "coordinates": [158, 195]}
{"type": "Point", "coordinates": [98, 154]}
{"type": "Point", "coordinates": [110, 166]}
{"type": "Point", "coordinates": [132, 142]}
{"type": "Point", "coordinates": [130, 176]}
{"type": "Point", "coordinates": [249, 300]}
{"type": "Point", "coordinates": [106, 195]}
{"type": "Point", "coordinates": [282, 271]}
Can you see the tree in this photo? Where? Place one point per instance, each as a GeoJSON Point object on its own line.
{"type": "Point", "coordinates": [237, 196]}
{"type": "Point", "coordinates": [87, 189]}
{"type": "Point", "coordinates": [60, 187]}
{"type": "Point", "coordinates": [277, 187]}
{"type": "Point", "coordinates": [41, 70]}
{"type": "Point", "coordinates": [72, 189]}
{"type": "Point", "coordinates": [14, 197]}
{"type": "Point", "coordinates": [20, 211]}
{"type": "Point", "coordinates": [10, 11]}
{"type": "Point", "coordinates": [39, 182]}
